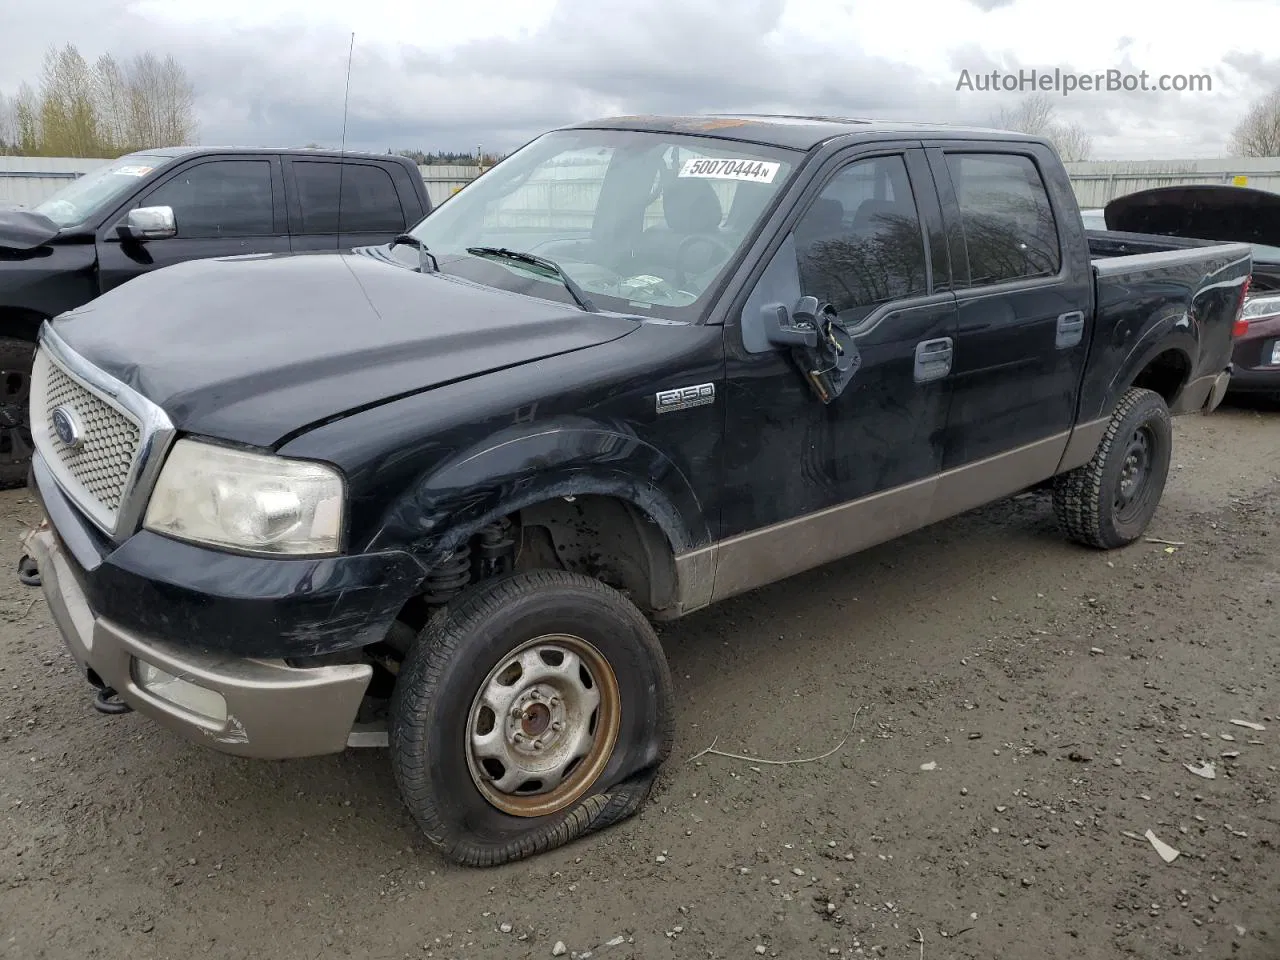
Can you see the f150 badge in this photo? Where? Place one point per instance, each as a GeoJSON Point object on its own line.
{"type": "Point", "coordinates": [682, 398]}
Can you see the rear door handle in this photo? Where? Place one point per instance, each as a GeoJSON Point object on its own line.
{"type": "Point", "coordinates": [933, 359]}
{"type": "Point", "coordinates": [1070, 330]}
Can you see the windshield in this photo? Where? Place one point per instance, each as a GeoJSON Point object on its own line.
{"type": "Point", "coordinates": [79, 200]}
{"type": "Point", "coordinates": [641, 222]}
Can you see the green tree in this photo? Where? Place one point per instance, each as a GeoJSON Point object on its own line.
{"type": "Point", "coordinates": [103, 110]}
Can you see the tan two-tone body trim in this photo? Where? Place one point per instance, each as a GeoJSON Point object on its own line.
{"type": "Point", "coordinates": [760, 557]}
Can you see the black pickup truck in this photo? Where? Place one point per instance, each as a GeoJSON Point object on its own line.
{"type": "Point", "coordinates": [434, 495]}
{"type": "Point", "coordinates": [166, 206]}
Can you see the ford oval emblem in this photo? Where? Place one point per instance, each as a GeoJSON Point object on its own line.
{"type": "Point", "coordinates": [67, 426]}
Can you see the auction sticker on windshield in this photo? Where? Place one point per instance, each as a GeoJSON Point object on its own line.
{"type": "Point", "coordinates": [756, 171]}
{"type": "Point", "coordinates": [132, 171]}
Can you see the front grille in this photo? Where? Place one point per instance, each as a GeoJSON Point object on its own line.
{"type": "Point", "coordinates": [95, 470]}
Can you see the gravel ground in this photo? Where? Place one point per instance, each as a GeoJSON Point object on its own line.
{"type": "Point", "coordinates": [1019, 713]}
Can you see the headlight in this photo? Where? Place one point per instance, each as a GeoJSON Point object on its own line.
{"type": "Point", "coordinates": [247, 501]}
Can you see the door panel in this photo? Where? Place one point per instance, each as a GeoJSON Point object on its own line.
{"type": "Point", "coordinates": [860, 245]}
{"type": "Point", "coordinates": [222, 207]}
{"type": "Point", "coordinates": [1022, 301]}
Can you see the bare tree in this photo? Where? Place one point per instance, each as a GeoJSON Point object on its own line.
{"type": "Point", "coordinates": [1258, 132]}
{"type": "Point", "coordinates": [8, 124]}
{"type": "Point", "coordinates": [1033, 116]}
{"type": "Point", "coordinates": [104, 110]}
{"type": "Point", "coordinates": [1037, 116]}
{"type": "Point", "coordinates": [1072, 141]}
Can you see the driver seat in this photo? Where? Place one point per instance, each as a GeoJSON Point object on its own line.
{"type": "Point", "coordinates": [690, 208]}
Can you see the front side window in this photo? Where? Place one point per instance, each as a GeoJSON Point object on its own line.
{"type": "Point", "coordinates": [1009, 227]}
{"type": "Point", "coordinates": [643, 222]}
{"type": "Point", "coordinates": [860, 243]}
{"type": "Point", "coordinates": [221, 198]}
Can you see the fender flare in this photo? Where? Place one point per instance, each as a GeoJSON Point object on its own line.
{"type": "Point", "coordinates": [519, 468]}
{"type": "Point", "coordinates": [1172, 329]}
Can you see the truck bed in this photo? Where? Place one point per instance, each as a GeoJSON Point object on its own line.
{"type": "Point", "coordinates": [1180, 294]}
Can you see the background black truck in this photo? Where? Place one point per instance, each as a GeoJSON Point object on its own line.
{"type": "Point", "coordinates": [440, 490]}
{"type": "Point", "coordinates": [160, 207]}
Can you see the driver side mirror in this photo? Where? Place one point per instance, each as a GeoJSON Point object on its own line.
{"type": "Point", "coordinates": [791, 328]}
{"type": "Point", "coordinates": [148, 223]}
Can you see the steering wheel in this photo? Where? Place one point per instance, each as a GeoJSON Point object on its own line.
{"type": "Point", "coordinates": [687, 242]}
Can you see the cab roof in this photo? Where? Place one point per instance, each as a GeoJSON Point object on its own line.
{"type": "Point", "coordinates": [789, 131]}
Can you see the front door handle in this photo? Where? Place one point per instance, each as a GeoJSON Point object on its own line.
{"type": "Point", "coordinates": [1070, 330]}
{"type": "Point", "coordinates": [933, 359]}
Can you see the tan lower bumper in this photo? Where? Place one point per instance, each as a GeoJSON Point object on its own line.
{"type": "Point", "coordinates": [250, 708]}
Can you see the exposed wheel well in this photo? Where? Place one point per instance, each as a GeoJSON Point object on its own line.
{"type": "Point", "coordinates": [603, 537]}
{"type": "Point", "coordinates": [20, 323]}
{"type": "Point", "coordinates": [1166, 374]}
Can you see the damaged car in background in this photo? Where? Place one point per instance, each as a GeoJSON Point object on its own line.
{"type": "Point", "coordinates": [1227, 214]}
{"type": "Point", "coordinates": [435, 494]}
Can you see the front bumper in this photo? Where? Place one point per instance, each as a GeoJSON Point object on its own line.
{"type": "Point", "coordinates": [247, 707]}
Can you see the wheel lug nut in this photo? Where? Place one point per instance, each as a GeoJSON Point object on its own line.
{"type": "Point", "coordinates": [557, 725]}
{"type": "Point", "coordinates": [518, 737]}
{"type": "Point", "coordinates": [537, 744]}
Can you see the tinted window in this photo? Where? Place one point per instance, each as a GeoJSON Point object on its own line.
{"type": "Point", "coordinates": [860, 243]}
{"type": "Point", "coordinates": [1009, 227]}
{"type": "Point", "coordinates": [369, 200]}
{"type": "Point", "coordinates": [222, 198]}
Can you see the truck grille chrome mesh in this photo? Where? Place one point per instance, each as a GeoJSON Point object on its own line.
{"type": "Point", "coordinates": [89, 444]}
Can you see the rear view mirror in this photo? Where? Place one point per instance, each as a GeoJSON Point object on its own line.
{"type": "Point", "coordinates": [149, 223]}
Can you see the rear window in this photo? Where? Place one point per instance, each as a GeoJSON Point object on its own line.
{"type": "Point", "coordinates": [1009, 227]}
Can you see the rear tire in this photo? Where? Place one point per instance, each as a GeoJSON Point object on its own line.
{"type": "Point", "coordinates": [16, 360]}
{"type": "Point", "coordinates": [533, 710]}
{"type": "Point", "coordinates": [1110, 501]}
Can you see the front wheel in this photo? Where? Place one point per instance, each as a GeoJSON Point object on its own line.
{"type": "Point", "coordinates": [535, 709]}
{"type": "Point", "coordinates": [1109, 502]}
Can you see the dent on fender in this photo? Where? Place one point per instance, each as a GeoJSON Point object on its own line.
{"type": "Point", "coordinates": [524, 465]}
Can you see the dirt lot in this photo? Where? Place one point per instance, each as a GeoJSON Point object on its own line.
{"type": "Point", "coordinates": [1058, 691]}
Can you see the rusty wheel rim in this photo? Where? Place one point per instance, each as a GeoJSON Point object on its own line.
{"type": "Point", "coordinates": [543, 726]}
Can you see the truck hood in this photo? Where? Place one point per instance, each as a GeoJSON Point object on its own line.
{"type": "Point", "coordinates": [255, 349]}
{"type": "Point", "coordinates": [24, 229]}
{"type": "Point", "coordinates": [1199, 212]}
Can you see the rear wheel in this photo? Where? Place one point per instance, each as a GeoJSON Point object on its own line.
{"type": "Point", "coordinates": [16, 359]}
{"type": "Point", "coordinates": [533, 710]}
{"type": "Point", "coordinates": [1110, 501]}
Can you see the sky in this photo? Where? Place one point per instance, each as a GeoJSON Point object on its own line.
{"type": "Point", "coordinates": [458, 75]}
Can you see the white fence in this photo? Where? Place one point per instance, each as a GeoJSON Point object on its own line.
{"type": "Point", "coordinates": [26, 181]}
{"type": "Point", "coordinates": [1098, 181]}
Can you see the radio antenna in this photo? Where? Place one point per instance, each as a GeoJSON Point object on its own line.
{"type": "Point", "coordinates": [342, 150]}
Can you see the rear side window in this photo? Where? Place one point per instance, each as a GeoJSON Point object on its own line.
{"type": "Point", "coordinates": [370, 203]}
{"type": "Point", "coordinates": [221, 198]}
{"type": "Point", "coordinates": [1009, 228]}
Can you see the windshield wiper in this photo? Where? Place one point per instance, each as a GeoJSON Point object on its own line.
{"type": "Point", "coordinates": [423, 253]}
{"type": "Point", "coordinates": [502, 253]}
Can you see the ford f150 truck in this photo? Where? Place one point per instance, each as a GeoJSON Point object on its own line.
{"type": "Point", "coordinates": [160, 207]}
{"type": "Point", "coordinates": [435, 495]}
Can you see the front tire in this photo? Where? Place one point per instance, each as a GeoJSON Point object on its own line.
{"type": "Point", "coordinates": [1110, 501]}
{"type": "Point", "coordinates": [16, 360]}
{"type": "Point", "coordinates": [533, 710]}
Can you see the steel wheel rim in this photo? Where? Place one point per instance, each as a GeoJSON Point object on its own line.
{"type": "Point", "coordinates": [15, 433]}
{"type": "Point", "coordinates": [1135, 472]}
{"type": "Point", "coordinates": [543, 725]}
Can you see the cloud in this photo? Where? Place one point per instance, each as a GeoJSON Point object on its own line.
{"type": "Point", "coordinates": [454, 77]}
